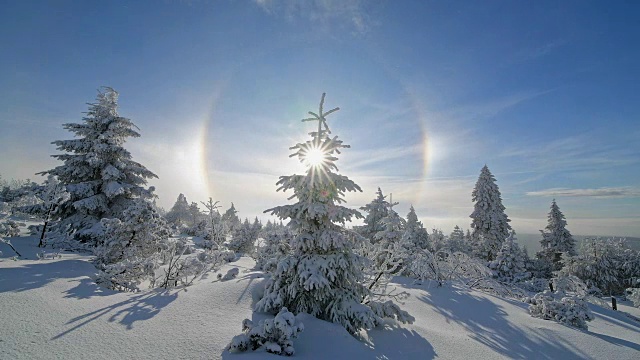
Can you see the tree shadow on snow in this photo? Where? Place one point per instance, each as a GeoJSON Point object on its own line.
{"type": "Point", "coordinates": [384, 342]}
{"type": "Point", "coordinates": [486, 322]}
{"type": "Point", "coordinates": [136, 308]}
{"type": "Point", "coordinates": [36, 275]}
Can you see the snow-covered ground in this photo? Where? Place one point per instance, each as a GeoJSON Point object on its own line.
{"type": "Point", "coordinates": [52, 309]}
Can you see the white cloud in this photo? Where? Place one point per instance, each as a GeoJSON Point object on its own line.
{"type": "Point", "coordinates": [605, 192]}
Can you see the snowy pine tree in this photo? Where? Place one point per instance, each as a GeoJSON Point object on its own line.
{"type": "Point", "coordinates": [231, 219]}
{"type": "Point", "coordinates": [556, 239]}
{"type": "Point", "coordinates": [415, 233]}
{"type": "Point", "coordinates": [489, 224]}
{"type": "Point", "coordinates": [376, 210]}
{"type": "Point", "coordinates": [98, 172]}
{"type": "Point", "coordinates": [458, 242]}
{"type": "Point", "coordinates": [179, 213]}
{"type": "Point", "coordinates": [509, 265]}
{"type": "Point", "coordinates": [322, 276]}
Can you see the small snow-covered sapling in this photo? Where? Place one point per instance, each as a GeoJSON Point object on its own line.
{"type": "Point", "coordinates": [276, 335]}
{"type": "Point", "coordinates": [231, 274]}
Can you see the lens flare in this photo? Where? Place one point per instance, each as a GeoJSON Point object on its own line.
{"type": "Point", "coordinates": [314, 157]}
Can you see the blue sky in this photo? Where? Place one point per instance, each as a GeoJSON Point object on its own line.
{"type": "Point", "coordinates": [545, 93]}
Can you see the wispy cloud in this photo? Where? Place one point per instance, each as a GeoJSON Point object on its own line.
{"type": "Point", "coordinates": [322, 12]}
{"type": "Point", "coordinates": [575, 153]}
{"type": "Point", "coordinates": [605, 192]}
{"type": "Point", "coordinates": [490, 107]}
{"type": "Point", "coordinates": [535, 52]}
{"type": "Point", "coordinates": [359, 159]}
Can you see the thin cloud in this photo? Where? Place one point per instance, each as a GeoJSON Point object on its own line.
{"type": "Point", "coordinates": [322, 12]}
{"type": "Point", "coordinates": [605, 192]}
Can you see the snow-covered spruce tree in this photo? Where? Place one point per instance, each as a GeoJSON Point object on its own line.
{"type": "Point", "coordinates": [390, 251]}
{"type": "Point", "coordinates": [322, 276]}
{"type": "Point", "coordinates": [243, 238]}
{"type": "Point", "coordinates": [489, 224]}
{"type": "Point", "coordinates": [556, 239]}
{"type": "Point", "coordinates": [179, 214]}
{"type": "Point", "coordinates": [509, 265]}
{"type": "Point", "coordinates": [98, 172]}
{"type": "Point", "coordinates": [376, 210]}
{"type": "Point", "coordinates": [458, 242]}
{"type": "Point", "coordinates": [231, 219]}
{"type": "Point", "coordinates": [415, 233]}
{"type": "Point", "coordinates": [437, 241]}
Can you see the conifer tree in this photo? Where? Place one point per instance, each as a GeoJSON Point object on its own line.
{"type": "Point", "coordinates": [376, 210]}
{"type": "Point", "coordinates": [556, 239]}
{"type": "Point", "coordinates": [458, 241]}
{"type": "Point", "coordinates": [98, 172]}
{"type": "Point", "coordinates": [322, 276]}
{"type": "Point", "coordinates": [509, 265]}
{"type": "Point", "coordinates": [490, 224]}
{"type": "Point", "coordinates": [231, 219]}
{"type": "Point", "coordinates": [415, 233]}
{"type": "Point", "coordinates": [179, 213]}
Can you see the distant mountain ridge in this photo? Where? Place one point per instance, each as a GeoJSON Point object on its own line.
{"type": "Point", "coordinates": [532, 241]}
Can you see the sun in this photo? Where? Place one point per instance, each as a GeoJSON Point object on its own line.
{"type": "Point", "coordinates": [314, 157]}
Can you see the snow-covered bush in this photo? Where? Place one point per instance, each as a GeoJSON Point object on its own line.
{"type": "Point", "coordinates": [131, 249]}
{"type": "Point", "coordinates": [567, 304]}
{"type": "Point", "coordinates": [275, 246]}
{"type": "Point", "coordinates": [244, 238]}
{"type": "Point", "coordinates": [275, 335]}
{"type": "Point", "coordinates": [535, 284]}
{"type": "Point", "coordinates": [10, 228]}
{"type": "Point", "coordinates": [568, 309]}
{"type": "Point", "coordinates": [633, 295]}
{"type": "Point", "coordinates": [230, 275]}
{"type": "Point", "coordinates": [182, 270]}
{"type": "Point", "coordinates": [43, 255]}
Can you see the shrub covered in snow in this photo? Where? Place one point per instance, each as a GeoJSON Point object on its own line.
{"type": "Point", "coordinates": [568, 309]}
{"type": "Point", "coordinates": [275, 246]}
{"type": "Point", "coordinates": [131, 249]}
{"type": "Point", "coordinates": [633, 295]}
{"type": "Point", "coordinates": [10, 228]}
{"type": "Point", "coordinates": [275, 335]}
{"type": "Point", "coordinates": [566, 305]}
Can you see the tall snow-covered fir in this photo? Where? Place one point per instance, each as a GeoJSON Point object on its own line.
{"type": "Point", "coordinates": [322, 276]}
{"type": "Point", "coordinates": [490, 224]}
{"type": "Point", "coordinates": [415, 233]}
{"type": "Point", "coordinates": [556, 239]}
{"type": "Point", "coordinates": [98, 172]}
